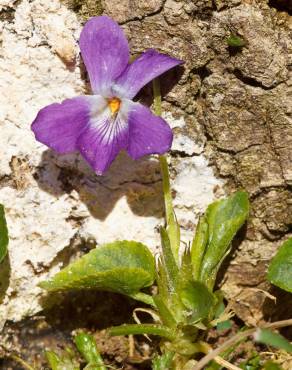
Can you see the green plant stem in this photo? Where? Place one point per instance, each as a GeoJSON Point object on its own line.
{"type": "Point", "coordinates": [172, 226]}
{"type": "Point", "coordinates": [162, 158]}
{"type": "Point", "coordinates": [143, 297]}
{"type": "Point", "coordinates": [236, 338]}
{"type": "Point", "coordinates": [159, 330]}
{"type": "Point", "coordinates": [166, 187]}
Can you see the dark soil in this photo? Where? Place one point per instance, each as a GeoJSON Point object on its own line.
{"type": "Point", "coordinates": [53, 328]}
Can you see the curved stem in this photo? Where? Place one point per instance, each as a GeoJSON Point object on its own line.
{"type": "Point", "coordinates": [211, 355]}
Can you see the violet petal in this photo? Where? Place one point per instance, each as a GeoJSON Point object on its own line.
{"type": "Point", "coordinates": [145, 68]}
{"type": "Point", "coordinates": [148, 134]}
{"type": "Point", "coordinates": [105, 52]}
{"type": "Point", "coordinates": [104, 137]}
{"type": "Point", "coordinates": [59, 125]}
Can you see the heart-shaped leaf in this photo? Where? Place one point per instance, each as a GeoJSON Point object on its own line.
{"type": "Point", "coordinates": [123, 267]}
{"type": "Point", "coordinates": [280, 269]}
{"type": "Point", "coordinates": [3, 234]}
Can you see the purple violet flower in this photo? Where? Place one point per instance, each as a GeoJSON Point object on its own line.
{"type": "Point", "coordinates": [101, 125]}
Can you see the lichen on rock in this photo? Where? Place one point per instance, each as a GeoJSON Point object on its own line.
{"type": "Point", "coordinates": [85, 8]}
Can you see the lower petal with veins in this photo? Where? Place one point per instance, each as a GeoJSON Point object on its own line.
{"type": "Point", "coordinates": [105, 136]}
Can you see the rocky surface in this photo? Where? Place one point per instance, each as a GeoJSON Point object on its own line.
{"type": "Point", "coordinates": [231, 113]}
{"type": "Point", "coordinates": [55, 205]}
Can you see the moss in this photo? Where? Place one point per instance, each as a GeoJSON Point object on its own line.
{"type": "Point", "coordinates": [235, 41]}
{"type": "Point", "coordinates": [85, 8]}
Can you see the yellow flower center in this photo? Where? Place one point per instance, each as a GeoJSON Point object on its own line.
{"type": "Point", "coordinates": [114, 104]}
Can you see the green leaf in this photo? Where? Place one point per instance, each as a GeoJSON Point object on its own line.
{"type": "Point", "coordinates": [186, 268]}
{"type": "Point", "coordinates": [219, 311]}
{"type": "Point", "coordinates": [123, 267]}
{"type": "Point", "coordinates": [199, 245]}
{"type": "Point", "coordinates": [253, 363]}
{"type": "Point", "coordinates": [161, 279]}
{"type": "Point", "coordinates": [280, 269]}
{"type": "Point", "coordinates": [86, 345]}
{"type": "Point", "coordinates": [224, 218]}
{"type": "Point", "coordinates": [168, 259]}
{"type": "Point", "coordinates": [64, 362]}
{"type": "Point", "coordinates": [197, 299]}
{"type": "Point", "coordinates": [165, 314]}
{"type": "Point", "coordinates": [163, 362]}
{"type": "Point", "coordinates": [143, 297]}
{"type": "Point", "coordinates": [168, 279]}
{"type": "Point", "coordinates": [3, 234]}
{"type": "Point", "coordinates": [53, 359]}
{"type": "Point", "coordinates": [224, 325]}
{"type": "Point", "coordinates": [271, 338]}
{"type": "Point", "coordinates": [270, 365]}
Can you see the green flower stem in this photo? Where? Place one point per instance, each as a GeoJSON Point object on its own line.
{"type": "Point", "coordinates": [166, 186]}
{"type": "Point", "coordinates": [162, 158]}
{"type": "Point", "coordinates": [143, 297]}
{"type": "Point", "coordinates": [159, 330]}
{"type": "Point", "coordinates": [172, 226]}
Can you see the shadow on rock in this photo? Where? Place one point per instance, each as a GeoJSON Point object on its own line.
{"type": "Point", "coordinates": [235, 244]}
{"type": "Point", "coordinates": [280, 309]}
{"type": "Point", "coordinates": [138, 181]}
{"type": "Point", "coordinates": [94, 309]}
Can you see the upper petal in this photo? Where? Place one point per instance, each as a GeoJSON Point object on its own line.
{"type": "Point", "coordinates": [104, 137]}
{"type": "Point", "coordinates": [148, 134]}
{"type": "Point", "coordinates": [59, 125]}
{"type": "Point", "coordinates": [144, 69]}
{"type": "Point", "coordinates": [105, 52]}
